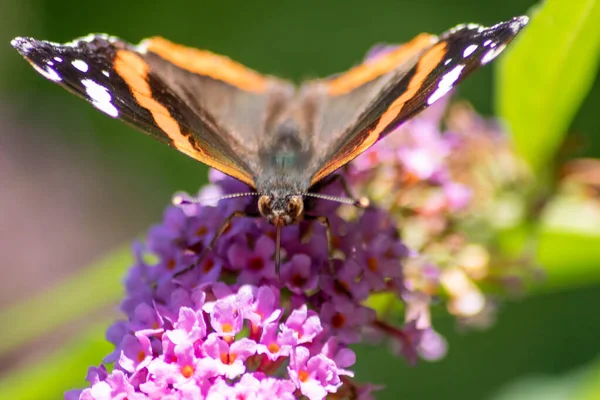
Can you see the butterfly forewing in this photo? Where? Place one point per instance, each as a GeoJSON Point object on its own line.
{"type": "Point", "coordinates": [431, 68]}
{"type": "Point", "coordinates": [363, 89]}
{"type": "Point", "coordinates": [189, 109]}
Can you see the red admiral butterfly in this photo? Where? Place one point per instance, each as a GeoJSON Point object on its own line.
{"type": "Point", "coordinates": [280, 140]}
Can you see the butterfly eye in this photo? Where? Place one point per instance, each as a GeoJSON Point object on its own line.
{"type": "Point", "coordinates": [264, 205]}
{"type": "Point", "coordinates": [295, 205]}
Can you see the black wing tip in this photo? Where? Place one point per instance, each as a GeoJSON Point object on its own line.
{"type": "Point", "coordinates": [508, 30]}
{"type": "Point", "coordinates": [25, 45]}
{"type": "Point", "coordinates": [514, 25]}
{"type": "Point", "coordinates": [511, 27]}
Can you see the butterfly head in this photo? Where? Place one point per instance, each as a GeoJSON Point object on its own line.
{"type": "Point", "coordinates": [279, 209]}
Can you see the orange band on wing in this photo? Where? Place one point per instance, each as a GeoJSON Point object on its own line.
{"type": "Point", "coordinates": [134, 71]}
{"type": "Point", "coordinates": [370, 70]}
{"type": "Point", "coordinates": [204, 62]}
{"type": "Point", "coordinates": [424, 67]}
{"type": "Point", "coordinates": [426, 64]}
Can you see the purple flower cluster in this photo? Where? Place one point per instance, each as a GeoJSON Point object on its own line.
{"type": "Point", "coordinates": [258, 335]}
{"type": "Point", "coordinates": [232, 329]}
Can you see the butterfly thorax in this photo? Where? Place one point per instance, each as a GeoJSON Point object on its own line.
{"type": "Point", "coordinates": [284, 158]}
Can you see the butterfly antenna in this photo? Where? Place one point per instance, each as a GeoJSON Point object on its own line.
{"type": "Point", "coordinates": [179, 199]}
{"type": "Point", "coordinates": [362, 202]}
{"type": "Point", "coordinates": [278, 251]}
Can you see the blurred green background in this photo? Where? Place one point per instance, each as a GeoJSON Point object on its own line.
{"type": "Point", "coordinates": [76, 184]}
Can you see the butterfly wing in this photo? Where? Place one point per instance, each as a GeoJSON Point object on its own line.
{"type": "Point", "coordinates": [204, 105]}
{"type": "Point", "coordinates": [363, 105]}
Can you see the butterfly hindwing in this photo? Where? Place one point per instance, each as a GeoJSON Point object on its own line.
{"type": "Point", "coordinates": [392, 87]}
{"type": "Point", "coordinates": [183, 97]}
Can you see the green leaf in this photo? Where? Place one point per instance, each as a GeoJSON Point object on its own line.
{"type": "Point", "coordinates": [94, 287]}
{"type": "Point", "coordinates": [569, 243]}
{"type": "Point", "coordinates": [590, 389]}
{"type": "Point", "coordinates": [538, 387]}
{"type": "Point", "coordinates": [546, 74]}
{"type": "Point", "coordinates": [570, 260]}
{"type": "Point", "coordinates": [580, 383]}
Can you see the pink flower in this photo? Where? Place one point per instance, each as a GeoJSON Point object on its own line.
{"type": "Point", "coordinates": [274, 343]}
{"type": "Point", "coordinates": [232, 358]}
{"type": "Point", "coordinates": [115, 386]}
{"type": "Point", "coordinates": [304, 325]}
{"type": "Point", "coordinates": [189, 328]}
{"type": "Point", "coordinates": [314, 376]}
{"type": "Point", "coordinates": [263, 308]}
{"type": "Point", "coordinates": [226, 319]}
{"type": "Point", "coordinates": [136, 352]}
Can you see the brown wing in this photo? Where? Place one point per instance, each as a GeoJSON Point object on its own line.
{"type": "Point", "coordinates": [204, 105]}
{"type": "Point", "coordinates": [356, 109]}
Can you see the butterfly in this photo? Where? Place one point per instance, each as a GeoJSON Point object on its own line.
{"type": "Point", "coordinates": [281, 140]}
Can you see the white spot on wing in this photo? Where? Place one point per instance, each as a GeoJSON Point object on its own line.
{"type": "Point", "coordinates": [518, 23]}
{"type": "Point", "coordinates": [491, 54]}
{"type": "Point", "coordinates": [48, 73]}
{"type": "Point", "coordinates": [57, 58]}
{"type": "Point", "coordinates": [75, 42]}
{"type": "Point", "coordinates": [88, 38]}
{"type": "Point", "coordinates": [105, 73]}
{"type": "Point", "coordinates": [91, 37]}
{"type": "Point", "coordinates": [487, 42]}
{"type": "Point", "coordinates": [101, 98]}
{"type": "Point", "coordinates": [448, 61]}
{"type": "Point", "coordinates": [469, 50]}
{"type": "Point", "coordinates": [142, 47]}
{"type": "Point", "coordinates": [451, 77]}
{"type": "Point", "coordinates": [470, 27]}
{"type": "Point", "coordinates": [445, 84]}
{"type": "Point", "coordinates": [21, 44]}
{"type": "Point", "coordinates": [80, 65]}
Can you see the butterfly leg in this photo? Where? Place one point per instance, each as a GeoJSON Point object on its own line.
{"type": "Point", "coordinates": [226, 223]}
{"type": "Point", "coordinates": [323, 220]}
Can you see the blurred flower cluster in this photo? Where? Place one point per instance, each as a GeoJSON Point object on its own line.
{"type": "Point", "coordinates": [455, 189]}
{"type": "Point", "coordinates": [441, 189]}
